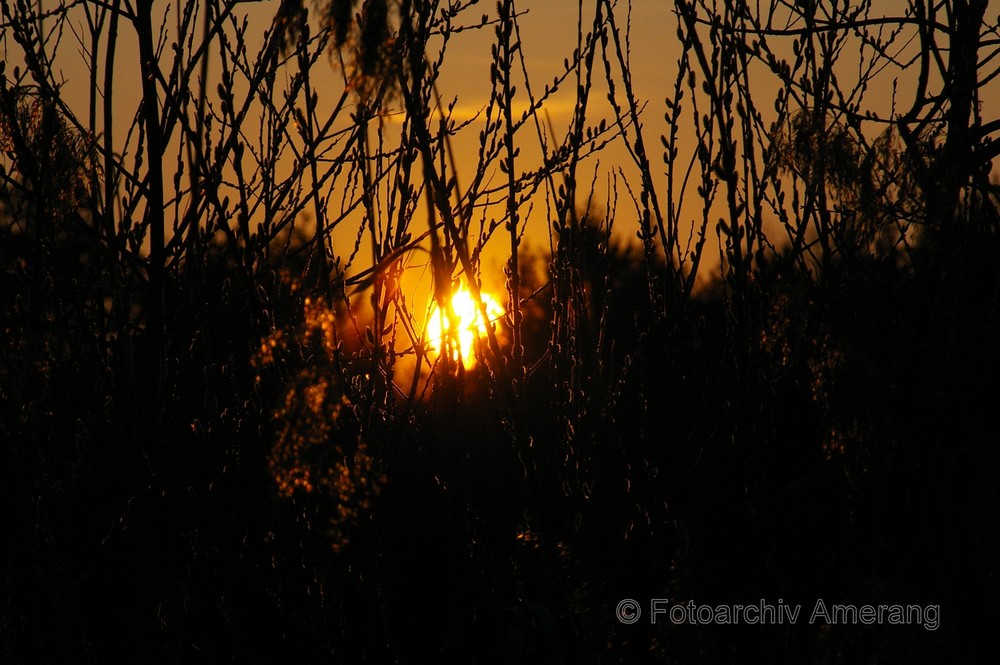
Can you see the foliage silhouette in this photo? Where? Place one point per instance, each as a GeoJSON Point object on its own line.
{"type": "Point", "coordinates": [226, 436]}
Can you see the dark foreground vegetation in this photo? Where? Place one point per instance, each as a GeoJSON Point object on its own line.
{"type": "Point", "coordinates": [213, 450]}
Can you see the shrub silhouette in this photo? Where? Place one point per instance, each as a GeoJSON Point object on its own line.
{"type": "Point", "coordinates": [225, 435]}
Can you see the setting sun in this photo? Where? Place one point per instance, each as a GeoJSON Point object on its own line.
{"type": "Point", "coordinates": [470, 324]}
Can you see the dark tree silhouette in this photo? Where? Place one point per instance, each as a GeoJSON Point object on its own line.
{"type": "Point", "coordinates": [226, 434]}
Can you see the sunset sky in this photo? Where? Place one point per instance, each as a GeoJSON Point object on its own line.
{"type": "Point", "coordinates": [549, 35]}
{"type": "Point", "coordinates": [313, 352]}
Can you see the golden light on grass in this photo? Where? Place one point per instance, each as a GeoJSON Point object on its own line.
{"type": "Point", "coordinates": [470, 325]}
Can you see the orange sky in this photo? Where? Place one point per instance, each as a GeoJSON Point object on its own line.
{"type": "Point", "coordinates": [549, 34]}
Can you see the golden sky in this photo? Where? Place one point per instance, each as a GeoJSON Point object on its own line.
{"type": "Point", "coordinates": [549, 33]}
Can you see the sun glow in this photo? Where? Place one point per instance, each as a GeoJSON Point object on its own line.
{"type": "Point", "coordinates": [470, 325]}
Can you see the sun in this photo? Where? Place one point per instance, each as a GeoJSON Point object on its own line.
{"type": "Point", "coordinates": [470, 324]}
